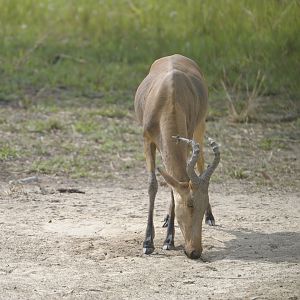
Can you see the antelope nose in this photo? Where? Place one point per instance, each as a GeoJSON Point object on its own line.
{"type": "Point", "coordinates": [193, 254]}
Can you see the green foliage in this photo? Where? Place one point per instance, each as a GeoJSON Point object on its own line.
{"type": "Point", "coordinates": [85, 127]}
{"type": "Point", "coordinates": [107, 45]}
{"type": "Point", "coordinates": [270, 143]}
{"type": "Point", "coordinates": [7, 152]}
{"type": "Point", "coordinates": [44, 126]}
{"type": "Point", "coordinates": [78, 142]}
{"type": "Point", "coordinates": [62, 165]}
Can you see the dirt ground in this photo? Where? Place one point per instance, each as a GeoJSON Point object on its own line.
{"type": "Point", "coordinates": [89, 246]}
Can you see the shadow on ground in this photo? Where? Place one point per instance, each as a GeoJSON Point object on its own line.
{"type": "Point", "coordinates": [245, 245]}
{"type": "Point", "coordinates": [251, 245]}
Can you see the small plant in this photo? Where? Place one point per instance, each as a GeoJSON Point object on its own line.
{"type": "Point", "coordinates": [266, 144]}
{"type": "Point", "coordinates": [239, 174]}
{"type": "Point", "coordinates": [45, 126]}
{"type": "Point", "coordinates": [86, 127]}
{"type": "Point", "coordinates": [7, 152]}
{"type": "Point", "coordinates": [270, 143]}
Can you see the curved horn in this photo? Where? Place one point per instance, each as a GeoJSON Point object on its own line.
{"type": "Point", "coordinates": [190, 168]}
{"type": "Point", "coordinates": [211, 168]}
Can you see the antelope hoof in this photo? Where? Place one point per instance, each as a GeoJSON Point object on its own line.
{"type": "Point", "coordinates": [148, 247]}
{"type": "Point", "coordinates": [166, 221]}
{"type": "Point", "coordinates": [169, 243]}
{"type": "Point", "coordinates": [168, 246]}
{"type": "Point", "coordinates": [210, 220]}
{"type": "Point", "coordinates": [148, 250]}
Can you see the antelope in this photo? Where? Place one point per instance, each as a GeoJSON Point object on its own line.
{"type": "Point", "coordinates": [171, 105]}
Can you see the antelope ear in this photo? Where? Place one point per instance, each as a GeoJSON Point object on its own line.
{"type": "Point", "coordinates": [169, 179]}
{"type": "Point", "coordinates": [179, 186]}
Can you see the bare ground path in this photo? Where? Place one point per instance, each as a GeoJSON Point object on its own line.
{"type": "Point", "coordinates": [88, 246]}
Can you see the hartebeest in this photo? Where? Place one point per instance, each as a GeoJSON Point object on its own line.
{"type": "Point", "coordinates": [171, 105]}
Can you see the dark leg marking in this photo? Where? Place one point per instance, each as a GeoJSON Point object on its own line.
{"type": "Point", "coordinates": [169, 241]}
{"type": "Point", "coordinates": [166, 221]}
{"type": "Point", "coordinates": [209, 217]}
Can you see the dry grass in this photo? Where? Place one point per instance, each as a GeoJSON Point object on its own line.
{"type": "Point", "coordinates": [246, 99]}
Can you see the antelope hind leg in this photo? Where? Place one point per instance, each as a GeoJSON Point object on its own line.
{"type": "Point", "coordinates": [148, 244]}
{"type": "Point", "coordinates": [199, 137]}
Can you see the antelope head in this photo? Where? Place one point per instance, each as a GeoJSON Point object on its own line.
{"type": "Point", "coordinates": [191, 198]}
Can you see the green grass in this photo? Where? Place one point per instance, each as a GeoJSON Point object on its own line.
{"type": "Point", "coordinates": [60, 50]}
{"type": "Point", "coordinates": [82, 143]}
{"type": "Point", "coordinates": [7, 152]}
{"type": "Point", "coordinates": [44, 126]}
{"type": "Point", "coordinates": [62, 165]}
{"type": "Point", "coordinates": [78, 142]}
{"type": "Point", "coordinates": [271, 143]}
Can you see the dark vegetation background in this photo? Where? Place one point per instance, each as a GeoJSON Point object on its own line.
{"type": "Point", "coordinates": [69, 70]}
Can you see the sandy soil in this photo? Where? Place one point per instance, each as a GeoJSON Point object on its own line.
{"type": "Point", "coordinates": [88, 246]}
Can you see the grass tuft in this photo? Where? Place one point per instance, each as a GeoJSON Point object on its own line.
{"type": "Point", "coordinates": [270, 143]}
{"type": "Point", "coordinates": [239, 174]}
{"type": "Point", "coordinates": [7, 152]}
{"type": "Point", "coordinates": [242, 104]}
{"type": "Point", "coordinates": [45, 126]}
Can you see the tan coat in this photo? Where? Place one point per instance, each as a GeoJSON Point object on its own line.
{"type": "Point", "coordinates": [172, 100]}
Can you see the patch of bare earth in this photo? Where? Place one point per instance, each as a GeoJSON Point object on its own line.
{"type": "Point", "coordinates": [88, 246]}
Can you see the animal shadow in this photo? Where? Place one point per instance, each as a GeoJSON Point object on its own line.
{"type": "Point", "coordinates": [251, 245]}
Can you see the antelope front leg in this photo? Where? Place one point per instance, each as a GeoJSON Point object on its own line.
{"type": "Point", "coordinates": [150, 149]}
{"type": "Point", "coordinates": [169, 241]}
